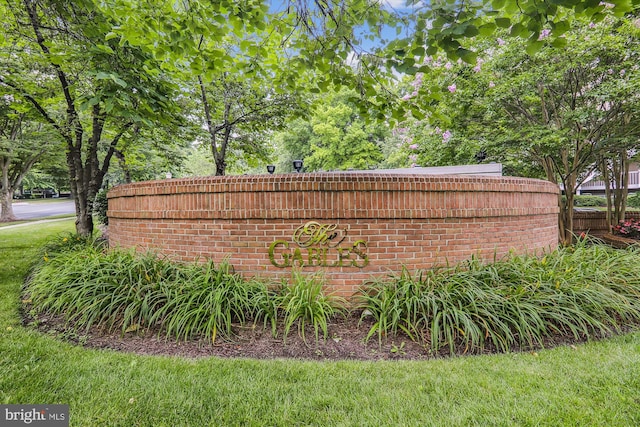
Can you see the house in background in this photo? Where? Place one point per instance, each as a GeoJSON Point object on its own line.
{"type": "Point", "coordinates": [595, 186]}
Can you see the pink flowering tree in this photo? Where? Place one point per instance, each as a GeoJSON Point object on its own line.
{"type": "Point", "coordinates": [561, 111]}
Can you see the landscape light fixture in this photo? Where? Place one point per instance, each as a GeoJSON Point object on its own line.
{"type": "Point", "coordinates": [297, 165]}
{"type": "Point", "coordinates": [481, 155]}
{"type": "Point", "coordinates": [271, 169]}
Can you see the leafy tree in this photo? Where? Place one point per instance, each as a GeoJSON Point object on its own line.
{"type": "Point", "coordinates": [103, 64]}
{"type": "Point", "coordinates": [566, 102]}
{"type": "Point", "coordinates": [92, 89]}
{"type": "Point", "coordinates": [199, 162]}
{"type": "Point", "coordinates": [554, 106]}
{"type": "Point", "coordinates": [150, 153]}
{"type": "Point", "coordinates": [239, 114]}
{"type": "Point", "coordinates": [620, 144]}
{"type": "Point", "coordinates": [306, 46]}
{"type": "Point", "coordinates": [54, 167]}
{"type": "Point", "coordinates": [448, 25]}
{"type": "Point", "coordinates": [335, 137]}
{"type": "Point", "coordinates": [293, 143]}
{"type": "Point", "coordinates": [23, 143]}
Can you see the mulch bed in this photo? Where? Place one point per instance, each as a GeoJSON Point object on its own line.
{"type": "Point", "coordinates": [345, 341]}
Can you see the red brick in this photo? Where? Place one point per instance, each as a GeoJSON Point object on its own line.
{"type": "Point", "coordinates": [412, 220]}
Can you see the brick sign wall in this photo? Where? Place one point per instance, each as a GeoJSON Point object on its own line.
{"type": "Point", "coordinates": [348, 226]}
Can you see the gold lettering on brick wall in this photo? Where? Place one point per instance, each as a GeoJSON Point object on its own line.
{"type": "Point", "coordinates": [318, 245]}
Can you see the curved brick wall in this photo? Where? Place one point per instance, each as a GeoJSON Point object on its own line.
{"type": "Point", "coordinates": [349, 226]}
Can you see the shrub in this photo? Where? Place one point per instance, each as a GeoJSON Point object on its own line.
{"type": "Point", "coordinates": [589, 201]}
{"type": "Point", "coordinates": [582, 291]}
{"type": "Point", "coordinates": [633, 200]}
{"type": "Point", "coordinates": [629, 229]}
{"type": "Point", "coordinates": [100, 206]}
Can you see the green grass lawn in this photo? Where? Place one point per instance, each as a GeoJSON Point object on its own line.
{"type": "Point", "coordinates": [595, 384]}
{"type": "Point", "coordinates": [26, 221]}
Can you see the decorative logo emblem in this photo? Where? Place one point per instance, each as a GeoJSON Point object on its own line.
{"type": "Point", "coordinates": [314, 233]}
{"type": "Point", "coordinates": [319, 245]}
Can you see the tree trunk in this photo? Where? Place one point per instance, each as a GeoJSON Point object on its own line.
{"type": "Point", "coordinates": [123, 165]}
{"type": "Point", "coordinates": [604, 168]}
{"type": "Point", "coordinates": [561, 218]}
{"type": "Point", "coordinates": [6, 198]}
{"type": "Point", "coordinates": [84, 220]}
{"type": "Point", "coordinates": [622, 187]}
{"type": "Point", "coordinates": [566, 209]}
{"type": "Point", "coordinates": [80, 192]}
{"type": "Point", "coordinates": [567, 219]}
{"type": "Point", "coordinates": [220, 168]}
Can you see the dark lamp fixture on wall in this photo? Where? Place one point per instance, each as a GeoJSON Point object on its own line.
{"type": "Point", "coordinates": [271, 169]}
{"type": "Point", "coordinates": [481, 156]}
{"type": "Point", "coordinates": [297, 165]}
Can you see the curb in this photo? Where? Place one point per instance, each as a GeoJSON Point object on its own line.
{"type": "Point", "coordinates": [34, 223]}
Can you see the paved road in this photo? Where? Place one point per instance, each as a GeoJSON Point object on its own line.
{"type": "Point", "coordinates": [35, 210]}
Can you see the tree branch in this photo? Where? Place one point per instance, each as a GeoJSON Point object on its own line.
{"type": "Point", "coordinates": [73, 120]}
{"type": "Point", "coordinates": [36, 105]}
{"type": "Point", "coordinates": [112, 149]}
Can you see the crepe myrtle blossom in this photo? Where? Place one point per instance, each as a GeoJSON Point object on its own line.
{"type": "Point", "coordinates": [399, 131]}
{"type": "Point", "coordinates": [452, 88]}
{"type": "Point", "coordinates": [607, 5]}
{"type": "Point", "coordinates": [413, 158]}
{"type": "Point", "coordinates": [492, 84]}
{"type": "Point", "coordinates": [413, 146]}
{"type": "Point", "coordinates": [478, 66]}
{"type": "Point", "coordinates": [448, 65]}
{"type": "Point", "coordinates": [622, 72]}
{"type": "Point", "coordinates": [544, 34]}
{"type": "Point", "coordinates": [417, 83]}
{"type": "Point", "coordinates": [446, 136]}
{"type": "Point", "coordinates": [408, 96]}
{"type": "Point", "coordinates": [592, 25]}
{"type": "Point", "coordinates": [500, 41]}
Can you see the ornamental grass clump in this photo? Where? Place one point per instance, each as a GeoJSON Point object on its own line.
{"type": "Point", "coordinates": [115, 289]}
{"type": "Point", "coordinates": [579, 292]}
{"type": "Point", "coordinates": [208, 301]}
{"type": "Point", "coordinates": [304, 303]}
{"type": "Point", "coordinates": [129, 291]}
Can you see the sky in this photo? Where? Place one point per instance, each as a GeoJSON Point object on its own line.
{"type": "Point", "coordinates": [387, 33]}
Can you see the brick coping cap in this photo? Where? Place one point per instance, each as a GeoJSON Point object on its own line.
{"type": "Point", "coordinates": [335, 181]}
